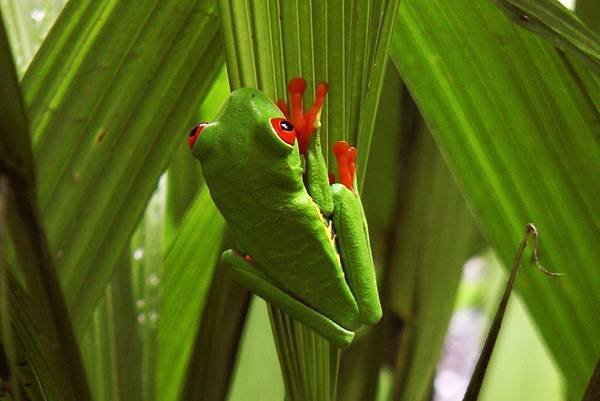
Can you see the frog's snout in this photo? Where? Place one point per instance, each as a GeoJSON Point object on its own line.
{"type": "Point", "coordinates": [195, 133]}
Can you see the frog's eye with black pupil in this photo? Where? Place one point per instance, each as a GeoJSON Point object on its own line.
{"type": "Point", "coordinates": [286, 126]}
{"type": "Point", "coordinates": [285, 130]}
{"type": "Point", "coordinates": [193, 131]}
{"type": "Point", "coordinates": [194, 134]}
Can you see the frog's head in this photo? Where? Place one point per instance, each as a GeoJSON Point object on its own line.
{"type": "Point", "coordinates": [249, 125]}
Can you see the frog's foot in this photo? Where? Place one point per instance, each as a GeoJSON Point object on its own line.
{"type": "Point", "coordinates": [305, 123]}
{"type": "Point", "coordinates": [345, 156]}
{"type": "Point", "coordinates": [250, 276]}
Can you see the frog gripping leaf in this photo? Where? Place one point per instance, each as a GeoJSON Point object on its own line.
{"type": "Point", "coordinates": [302, 242]}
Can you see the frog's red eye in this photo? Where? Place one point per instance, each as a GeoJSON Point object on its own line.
{"type": "Point", "coordinates": [195, 133]}
{"type": "Point", "coordinates": [285, 130]}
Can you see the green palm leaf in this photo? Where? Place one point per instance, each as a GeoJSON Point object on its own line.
{"type": "Point", "coordinates": [188, 268]}
{"type": "Point", "coordinates": [194, 235]}
{"type": "Point", "coordinates": [50, 324]}
{"type": "Point", "coordinates": [209, 373]}
{"type": "Point", "coordinates": [554, 22]}
{"type": "Point", "coordinates": [109, 95]}
{"type": "Point", "coordinates": [414, 208]}
{"type": "Point", "coordinates": [518, 132]}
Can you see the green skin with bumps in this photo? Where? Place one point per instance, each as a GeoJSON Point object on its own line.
{"type": "Point", "coordinates": [301, 243]}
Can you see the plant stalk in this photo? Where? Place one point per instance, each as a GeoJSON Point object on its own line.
{"type": "Point", "coordinates": [309, 362]}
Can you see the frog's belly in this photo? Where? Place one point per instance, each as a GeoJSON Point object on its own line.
{"type": "Point", "coordinates": [290, 243]}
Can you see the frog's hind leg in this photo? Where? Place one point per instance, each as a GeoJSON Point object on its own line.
{"type": "Point", "coordinates": [352, 237]}
{"type": "Point", "coordinates": [248, 275]}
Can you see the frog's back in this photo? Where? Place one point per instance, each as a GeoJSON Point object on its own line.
{"type": "Point", "coordinates": [288, 240]}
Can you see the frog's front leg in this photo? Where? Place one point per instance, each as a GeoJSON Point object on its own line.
{"type": "Point", "coordinates": [250, 276]}
{"type": "Point", "coordinates": [352, 237]}
{"type": "Point", "coordinates": [307, 125]}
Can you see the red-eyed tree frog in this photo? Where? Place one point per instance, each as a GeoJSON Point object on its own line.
{"type": "Point", "coordinates": [302, 242]}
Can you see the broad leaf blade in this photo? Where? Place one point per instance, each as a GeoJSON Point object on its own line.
{"type": "Point", "coordinates": [257, 349]}
{"type": "Point", "coordinates": [215, 350]}
{"type": "Point", "coordinates": [112, 345]}
{"type": "Point", "coordinates": [124, 334]}
{"type": "Point", "coordinates": [435, 236]}
{"type": "Point", "coordinates": [192, 216]}
{"type": "Point", "coordinates": [110, 94]}
{"type": "Point", "coordinates": [414, 208]}
{"type": "Point", "coordinates": [519, 134]}
{"type": "Point", "coordinates": [589, 12]}
{"type": "Point", "coordinates": [190, 260]}
{"type": "Point", "coordinates": [34, 366]}
{"type": "Point", "coordinates": [10, 383]}
{"type": "Point", "coordinates": [29, 239]}
{"type": "Point", "coordinates": [555, 23]}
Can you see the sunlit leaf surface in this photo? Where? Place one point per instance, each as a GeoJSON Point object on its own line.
{"type": "Point", "coordinates": [110, 94]}
{"type": "Point", "coordinates": [520, 135]}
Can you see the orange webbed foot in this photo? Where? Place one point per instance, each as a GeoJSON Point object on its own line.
{"type": "Point", "coordinates": [345, 156]}
{"type": "Point", "coordinates": [304, 122]}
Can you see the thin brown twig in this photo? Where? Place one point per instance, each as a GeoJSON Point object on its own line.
{"type": "Point", "coordinates": [474, 387]}
{"type": "Point", "coordinates": [531, 229]}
